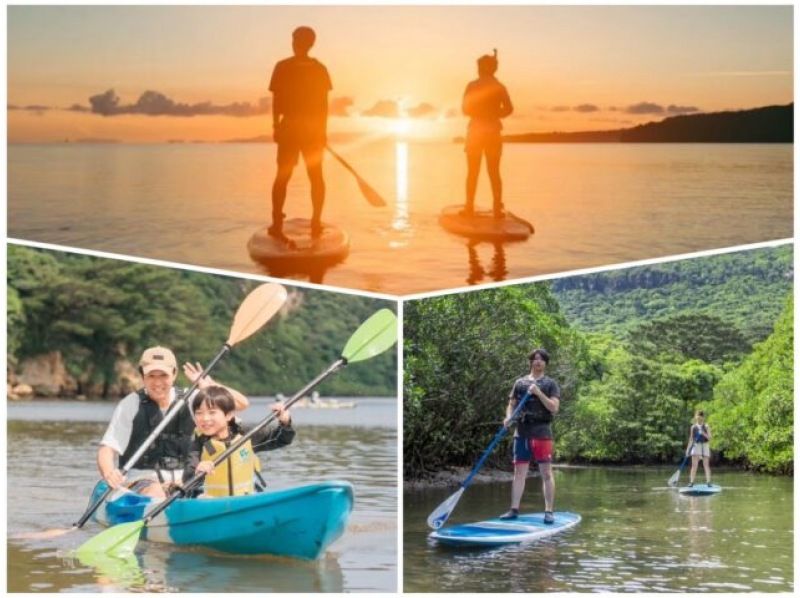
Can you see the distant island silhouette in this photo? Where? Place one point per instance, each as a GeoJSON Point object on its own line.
{"type": "Point", "coordinates": [770, 124]}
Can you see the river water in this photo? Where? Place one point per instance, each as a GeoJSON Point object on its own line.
{"type": "Point", "coordinates": [637, 535]}
{"type": "Point", "coordinates": [591, 205]}
{"type": "Point", "coordinates": [51, 451]}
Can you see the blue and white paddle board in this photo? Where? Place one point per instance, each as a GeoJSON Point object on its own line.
{"type": "Point", "coordinates": [700, 490]}
{"type": "Point", "coordinates": [497, 532]}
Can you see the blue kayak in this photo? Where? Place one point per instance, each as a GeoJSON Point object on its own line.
{"type": "Point", "coordinates": [298, 522]}
{"type": "Point", "coordinates": [497, 532]}
{"type": "Point", "coordinates": [700, 490]}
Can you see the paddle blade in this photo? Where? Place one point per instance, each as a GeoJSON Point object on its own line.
{"type": "Point", "coordinates": [442, 513]}
{"type": "Point", "coordinates": [370, 194]}
{"type": "Point", "coordinates": [118, 540]}
{"type": "Point", "coordinates": [257, 308]}
{"type": "Point", "coordinates": [374, 336]}
{"type": "Point", "coordinates": [673, 481]}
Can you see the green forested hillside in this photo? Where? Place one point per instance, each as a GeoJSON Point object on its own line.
{"type": "Point", "coordinates": [98, 311]}
{"type": "Point", "coordinates": [742, 288]}
{"type": "Point", "coordinates": [631, 383]}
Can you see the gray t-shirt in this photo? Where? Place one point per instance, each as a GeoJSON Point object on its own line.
{"type": "Point", "coordinates": [534, 409]}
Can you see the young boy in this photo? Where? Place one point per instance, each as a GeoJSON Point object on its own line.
{"type": "Point", "coordinates": [699, 437]}
{"type": "Point", "coordinates": [217, 429]}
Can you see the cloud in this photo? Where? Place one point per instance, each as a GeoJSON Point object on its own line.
{"type": "Point", "coordinates": [452, 113]}
{"type": "Point", "coordinates": [645, 108]}
{"type": "Point", "coordinates": [586, 108]}
{"type": "Point", "coordinates": [340, 106]}
{"type": "Point", "coordinates": [35, 108]}
{"type": "Point", "coordinates": [673, 109]}
{"type": "Point", "coordinates": [154, 103]}
{"type": "Point", "coordinates": [421, 111]}
{"type": "Point", "coordinates": [385, 108]}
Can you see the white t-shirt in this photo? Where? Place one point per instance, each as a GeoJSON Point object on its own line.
{"type": "Point", "coordinates": [118, 433]}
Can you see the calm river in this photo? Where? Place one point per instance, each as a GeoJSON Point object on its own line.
{"type": "Point", "coordinates": [637, 535]}
{"type": "Point", "coordinates": [51, 451]}
{"type": "Point", "coordinates": [591, 205]}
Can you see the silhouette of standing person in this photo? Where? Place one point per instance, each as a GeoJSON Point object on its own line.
{"type": "Point", "coordinates": [486, 101]}
{"type": "Point", "coordinates": [299, 86]}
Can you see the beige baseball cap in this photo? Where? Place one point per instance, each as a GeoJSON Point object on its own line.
{"type": "Point", "coordinates": [158, 358]}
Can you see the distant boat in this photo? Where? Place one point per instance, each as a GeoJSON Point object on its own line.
{"type": "Point", "coordinates": [315, 402]}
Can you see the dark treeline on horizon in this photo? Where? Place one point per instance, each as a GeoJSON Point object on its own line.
{"type": "Point", "coordinates": [770, 124]}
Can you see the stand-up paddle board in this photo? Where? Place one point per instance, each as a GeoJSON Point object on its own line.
{"type": "Point", "coordinates": [497, 532]}
{"type": "Point", "coordinates": [700, 490]}
{"type": "Point", "coordinates": [299, 250]}
{"type": "Point", "coordinates": [483, 225]}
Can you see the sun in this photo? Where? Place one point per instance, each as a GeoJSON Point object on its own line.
{"type": "Point", "coordinates": [401, 126]}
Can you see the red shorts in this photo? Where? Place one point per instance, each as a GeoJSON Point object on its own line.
{"type": "Point", "coordinates": [538, 449]}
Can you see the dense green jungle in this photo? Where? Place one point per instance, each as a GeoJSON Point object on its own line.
{"type": "Point", "coordinates": [97, 312]}
{"type": "Point", "coordinates": [635, 352]}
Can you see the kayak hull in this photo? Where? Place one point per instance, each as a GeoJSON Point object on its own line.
{"type": "Point", "coordinates": [298, 522]}
{"type": "Point", "coordinates": [499, 532]}
{"type": "Point", "coordinates": [700, 490]}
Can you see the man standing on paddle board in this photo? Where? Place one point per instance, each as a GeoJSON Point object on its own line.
{"type": "Point", "coordinates": [140, 412]}
{"type": "Point", "coordinates": [486, 101]}
{"type": "Point", "coordinates": [534, 436]}
{"type": "Point", "coordinates": [299, 87]}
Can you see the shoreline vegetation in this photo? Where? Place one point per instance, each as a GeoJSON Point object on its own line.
{"type": "Point", "coordinates": [77, 325]}
{"type": "Point", "coordinates": [635, 352]}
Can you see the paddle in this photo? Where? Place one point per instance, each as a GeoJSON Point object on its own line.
{"type": "Point", "coordinates": [256, 310]}
{"type": "Point", "coordinates": [368, 192]}
{"type": "Point", "coordinates": [441, 513]}
{"type": "Point", "coordinates": [673, 481]}
{"type": "Point", "coordinates": [374, 336]}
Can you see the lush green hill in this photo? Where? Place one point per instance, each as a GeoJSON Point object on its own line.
{"type": "Point", "coordinates": [746, 289]}
{"type": "Point", "coordinates": [96, 312]}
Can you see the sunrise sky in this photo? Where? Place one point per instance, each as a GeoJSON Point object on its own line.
{"type": "Point", "coordinates": [394, 69]}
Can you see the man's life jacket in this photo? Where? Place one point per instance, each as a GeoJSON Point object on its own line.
{"type": "Point", "coordinates": [534, 411]}
{"type": "Point", "coordinates": [234, 476]}
{"type": "Point", "coordinates": [170, 449]}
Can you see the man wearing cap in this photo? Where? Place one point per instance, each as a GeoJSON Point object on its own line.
{"type": "Point", "coordinates": [533, 439]}
{"type": "Point", "coordinates": [139, 413]}
{"type": "Point", "coordinates": [299, 86]}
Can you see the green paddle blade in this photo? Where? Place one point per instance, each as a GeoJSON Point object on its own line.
{"type": "Point", "coordinates": [374, 336]}
{"type": "Point", "coordinates": [118, 540]}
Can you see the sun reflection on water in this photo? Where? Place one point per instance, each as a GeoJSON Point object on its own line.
{"type": "Point", "coordinates": [400, 221]}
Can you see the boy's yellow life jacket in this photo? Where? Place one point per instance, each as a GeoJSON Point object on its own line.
{"type": "Point", "coordinates": [234, 476]}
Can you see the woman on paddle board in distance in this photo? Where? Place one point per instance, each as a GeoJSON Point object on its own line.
{"type": "Point", "coordinates": [299, 86]}
{"type": "Point", "coordinates": [217, 429]}
{"type": "Point", "coordinates": [139, 413]}
{"type": "Point", "coordinates": [699, 437]}
{"type": "Point", "coordinates": [534, 436]}
{"type": "Point", "coordinates": [486, 102]}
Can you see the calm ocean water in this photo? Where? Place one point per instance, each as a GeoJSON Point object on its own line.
{"type": "Point", "coordinates": [591, 204]}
